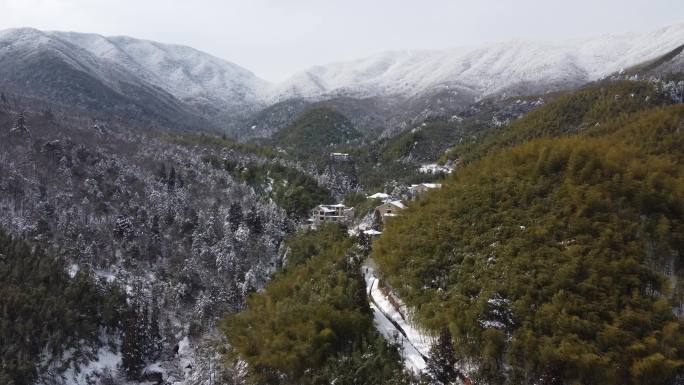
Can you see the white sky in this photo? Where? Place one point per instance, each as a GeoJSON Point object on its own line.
{"type": "Point", "coordinates": [275, 38]}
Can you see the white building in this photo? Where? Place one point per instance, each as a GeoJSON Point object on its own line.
{"type": "Point", "coordinates": [337, 213]}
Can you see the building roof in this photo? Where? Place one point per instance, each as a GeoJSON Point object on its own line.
{"type": "Point", "coordinates": [426, 185]}
{"type": "Point", "coordinates": [372, 232]}
{"type": "Point", "coordinates": [378, 196]}
{"type": "Point", "coordinates": [432, 185]}
{"type": "Point", "coordinates": [397, 204]}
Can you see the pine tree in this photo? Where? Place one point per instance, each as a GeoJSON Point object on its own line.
{"type": "Point", "coordinates": [154, 228]}
{"type": "Point", "coordinates": [364, 241]}
{"type": "Point", "coordinates": [20, 125]}
{"type": "Point", "coordinates": [235, 216]}
{"type": "Point", "coordinates": [377, 221]}
{"type": "Point", "coordinates": [154, 245]}
{"type": "Point", "coordinates": [156, 339]}
{"type": "Point", "coordinates": [132, 359]}
{"type": "Point", "coordinates": [171, 182]}
{"type": "Point", "coordinates": [144, 330]}
{"type": "Point", "coordinates": [441, 364]}
{"type": "Point", "coordinates": [161, 173]}
{"type": "Point", "coordinates": [254, 221]}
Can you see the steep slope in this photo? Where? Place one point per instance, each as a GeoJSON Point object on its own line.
{"type": "Point", "coordinates": [126, 77]}
{"type": "Point", "coordinates": [36, 65]}
{"type": "Point", "coordinates": [312, 324]}
{"type": "Point", "coordinates": [570, 113]}
{"type": "Point", "coordinates": [514, 67]}
{"type": "Point", "coordinates": [177, 234]}
{"type": "Point", "coordinates": [190, 75]}
{"type": "Point", "coordinates": [555, 258]}
{"type": "Point", "coordinates": [669, 66]}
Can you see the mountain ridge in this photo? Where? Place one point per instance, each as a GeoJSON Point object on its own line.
{"type": "Point", "coordinates": [485, 68]}
{"type": "Point", "coordinates": [193, 82]}
{"type": "Point", "coordinates": [175, 83]}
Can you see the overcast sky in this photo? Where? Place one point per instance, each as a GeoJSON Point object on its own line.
{"type": "Point", "coordinates": [275, 38]}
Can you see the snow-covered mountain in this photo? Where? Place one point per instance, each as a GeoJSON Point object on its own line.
{"type": "Point", "coordinates": [131, 74]}
{"type": "Point", "coordinates": [186, 73]}
{"type": "Point", "coordinates": [176, 85]}
{"type": "Point", "coordinates": [516, 66]}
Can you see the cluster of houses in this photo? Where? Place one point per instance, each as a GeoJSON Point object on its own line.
{"type": "Point", "coordinates": [390, 207]}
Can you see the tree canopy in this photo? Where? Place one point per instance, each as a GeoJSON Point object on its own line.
{"type": "Point", "coordinates": [554, 256]}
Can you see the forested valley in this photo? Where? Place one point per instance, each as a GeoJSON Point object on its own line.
{"type": "Point", "coordinates": [529, 235]}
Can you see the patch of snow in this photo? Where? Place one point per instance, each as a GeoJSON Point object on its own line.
{"type": "Point", "coordinates": [72, 270]}
{"type": "Point", "coordinates": [391, 324]}
{"type": "Point", "coordinates": [92, 371]}
{"type": "Point", "coordinates": [186, 359]}
{"type": "Point", "coordinates": [154, 368]}
{"type": "Point", "coordinates": [492, 324]}
{"type": "Point", "coordinates": [379, 196]}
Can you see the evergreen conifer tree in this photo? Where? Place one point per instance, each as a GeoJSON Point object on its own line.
{"type": "Point", "coordinates": [254, 221]}
{"type": "Point", "coordinates": [161, 173]}
{"type": "Point", "coordinates": [20, 125]}
{"type": "Point", "coordinates": [133, 344]}
{"type": "Point", "coordinates": [171, 182]}
{"type": "Point", "coordinates": [235, 216]}
{"type": "Point", "coordinates": [441, 364]}
{"type": "Point", "coordinates": [156, 339]}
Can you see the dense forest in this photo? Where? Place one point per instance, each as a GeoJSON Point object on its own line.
{"type": "Point", "coordinates": [388, 161]}
{"type": "Point", "coordinates": [294, 191]}
{"type": "Point", "coordinates": [550, 256]}
{"type": "Point", "coordinates": [43, 310]}
{"type": "Point", "coordinates": [509, 213]}
{"type": "Point", "coordinates": [315, 132]}
{"type": "Point", "coordinates": [184, 241]}
{"type": "Point", "coordinates": [554, 254]}
{"type": "Point", "coordinates": [312, 324]}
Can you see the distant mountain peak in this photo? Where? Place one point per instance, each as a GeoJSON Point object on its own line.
{"type": "Point", "coordinates": [487, 69]}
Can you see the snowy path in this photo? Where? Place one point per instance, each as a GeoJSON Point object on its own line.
{"type": "Point", "coordinates": [415, 345]}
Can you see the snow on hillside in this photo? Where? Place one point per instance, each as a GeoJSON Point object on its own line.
{"type": "Point", "coordinates": [487, 70]}
{"type": "Point", "coordinates": [523, 67]}
{"type": "Point", "coordinates": [183, 72]}
{"type": "Point", "coordinates": [415, 345]}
